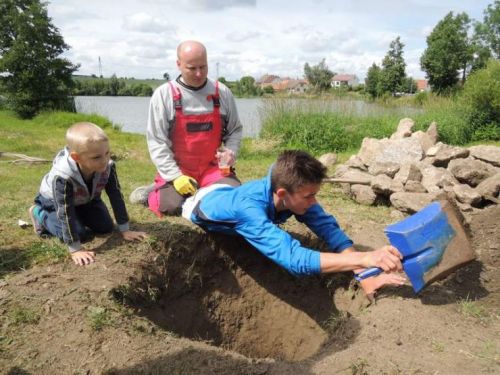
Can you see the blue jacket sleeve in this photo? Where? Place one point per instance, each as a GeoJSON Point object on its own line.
{"type": "Point", "coordinates": [275, 243]}
{"type": "Point", "coordinates": [326, 227]}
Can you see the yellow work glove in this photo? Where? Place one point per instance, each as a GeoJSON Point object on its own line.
{"type": "Point", "coordinates": [185, 185]}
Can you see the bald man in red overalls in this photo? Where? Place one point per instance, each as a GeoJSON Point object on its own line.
{"type": "Point", "coordinates": [193, 123]}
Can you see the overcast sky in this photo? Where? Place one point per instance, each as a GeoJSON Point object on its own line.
{"type": "Point", "coordinates": [248, 37]}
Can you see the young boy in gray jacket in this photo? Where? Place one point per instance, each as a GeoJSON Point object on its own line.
{"type": "Point", "coordinates": [69, 204]}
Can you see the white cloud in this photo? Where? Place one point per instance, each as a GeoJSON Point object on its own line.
{"type": "Point", "coordinates": [214, 5]}
{"type": "Point", "coordinates": [246, 37]}
{"type": "Point", "coordinates": [144, 22]}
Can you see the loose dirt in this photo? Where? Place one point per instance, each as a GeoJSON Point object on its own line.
{"type": "Point", "coordinates": [191, 303]}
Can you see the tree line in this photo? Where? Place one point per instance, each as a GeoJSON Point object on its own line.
{"type": "Point", "coordinates": [113, 86]}
{"type": "Point", "coordinates": [456, 47]}
{"type": "Point", "coordinates": [34, 76]}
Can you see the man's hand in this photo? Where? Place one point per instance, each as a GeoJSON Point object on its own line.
{"type": "Point", "coordinates": [227, 155]}
{"type": "Point", "coordinates": [185, 185]}
{"type": "Point", "coordinates": [388, 258]}
{"type": "Point", "coordinates": [131, 235]}
{"type": "Point", "coordinates": [83, 257]}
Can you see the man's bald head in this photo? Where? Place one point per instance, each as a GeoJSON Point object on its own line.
{"type": "Point", "coordinates": [190, 47]}
{"type": "Point", "coordinates": [192, 63]}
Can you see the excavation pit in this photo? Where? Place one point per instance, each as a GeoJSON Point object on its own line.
{"type": "Point", "coordinates": [221, 290]}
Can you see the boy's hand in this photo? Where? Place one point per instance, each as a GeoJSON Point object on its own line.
{"type": "Point", "coordinates": [82, 257]}
{"type": "Point", "coordinates": [388, 258]}
{"type": "Point", "coordinates": [131, 235]}
{"type": "Point", "coordinates": [371, 284]}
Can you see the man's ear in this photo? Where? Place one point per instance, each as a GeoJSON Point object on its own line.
{"type": "Point", "coordinates": [74, 155]}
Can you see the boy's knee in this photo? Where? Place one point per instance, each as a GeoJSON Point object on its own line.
{"type": "Point", "coordinates": [104, 227]}
{"type": "Point", "coordinates": [170, 201]}
{"type": "Point", "coordinates": [171, 208]}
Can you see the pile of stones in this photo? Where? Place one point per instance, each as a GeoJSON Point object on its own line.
{"type": "Point", "coordinates": [411, 169]}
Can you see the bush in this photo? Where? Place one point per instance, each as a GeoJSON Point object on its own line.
{"type": "Point", "coordinates": [481, 102]}
{"type": "Point", "coordinates": [65, 119]}
{"type": "Point", "coordinates": [453, 127]}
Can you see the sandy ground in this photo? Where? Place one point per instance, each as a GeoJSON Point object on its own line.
{"type": "Point", "coordinates": [188, 303]}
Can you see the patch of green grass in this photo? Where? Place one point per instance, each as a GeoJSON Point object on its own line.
{"type": "Point", "coordinates": [472, 309]}
{"type": "Point", "coordinates": [437, 347]}
{"type": "Point", "coordinates": [39, 252]}
{"type": "Point", "coordinates": [21, 315]}
{"type": "Point", "coordinates": [359, 367]}
{"type": "Point", "coordinates": [335, 321]}
{"type": "Point", "coordinates": [99, 318]}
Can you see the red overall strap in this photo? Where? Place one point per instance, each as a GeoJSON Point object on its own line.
{"type": "Point", "coordinates": [196, 137]}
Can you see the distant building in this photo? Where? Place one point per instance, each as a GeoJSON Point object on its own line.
{"type": "Point", "coordinates": [344, 80]}
{"type": "Point", "coordinates": [422, 85]}
{"type": "Point", "coordinates": [267, 80]}
{"type": "Point", "coordinates": [285, 84]}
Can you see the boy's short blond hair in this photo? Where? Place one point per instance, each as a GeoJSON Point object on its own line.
{"type": "Point", "coordinates": [81, 134]}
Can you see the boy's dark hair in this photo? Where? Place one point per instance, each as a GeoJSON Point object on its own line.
{"type": "Point", "coordinates": [294, 169]}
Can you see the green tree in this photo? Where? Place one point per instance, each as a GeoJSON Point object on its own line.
{"type": "Point", "coordinates": [34, 76]}
{"type": "Point", "coordinates": [268, 90]}
{"type": "Point", "coordinates": [114, 85]}
{"type": "Point", "coordinates": [319, 76]}
{"type": "Point", "coordinates": [246, 87]}
{"type": "Point", "coordinates": [166, 76]}
{"type": "Point", "coordinates": [448, 52]}
{"type": "Point", "coordinates": [393, 68]}
{"type": "Point", "coordinates": [481, 101]}
{"type": "Point", "coordinates": [487, 33]}
{"type": "Point", "coordinates": [372, 81]}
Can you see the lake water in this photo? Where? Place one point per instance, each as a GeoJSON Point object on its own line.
{"type": "Point", "coordinates": [131, 112]}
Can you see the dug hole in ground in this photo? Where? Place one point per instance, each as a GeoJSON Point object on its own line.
{"type": "Point", "coordinates": [192, 303]}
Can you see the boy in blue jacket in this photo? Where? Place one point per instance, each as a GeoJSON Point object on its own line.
{"type": "Point", "coordinates": [69, 201]}
{"type": "Point", "coordinates": [255, 209]}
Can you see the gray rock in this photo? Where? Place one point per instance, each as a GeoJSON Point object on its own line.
{"type": "Point", "coordinates": [353, 174]}
{"type": "Point", "coordinates": [387, 168]}
{"type": "Point", "coordinates": [363, 194]}
{"type": "Point", "coordinates": [412, 202]}
{"type": "Point", "coordinates": [471, 171]}
{"type": "Point", "coordinates": [328, 159]}
{"type": "Point", "coordinates": [447, 153]}
{"type": "Point", "coordinates": [489, 187]}
{"type": "Point", "coordinates": [432, 132]}
{"type": "Point", "coordinates": [407, 172]}
{"type": "Point", "coordinates": [400, 151]}
{"type": "Point", "coordinates": [465, 194]}
{"type": "Point", "coordinates": [341, 170]}
{"type": "Point", "coordinates": [404, 129]}
{"type": "Point", "coordinates": [355, 162]}
{"type": "Point", "coordinates": [434, 149]}
{"type": "Point", "coordinates": [384, 185]}
{"type": "Point", "coordinates": [425, 141]}
{"type": "Point", "coordinates": [414, 187]}
{"type": "Point", "coordinates": [489, 154]}
{"type": "Point", "coordinates": [434, 178]}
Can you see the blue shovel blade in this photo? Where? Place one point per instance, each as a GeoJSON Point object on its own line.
{"type": "Point", "coordinates": [422, 240]}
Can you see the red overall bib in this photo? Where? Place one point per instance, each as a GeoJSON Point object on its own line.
{"type": "Point", "coordinates": [195, 139]}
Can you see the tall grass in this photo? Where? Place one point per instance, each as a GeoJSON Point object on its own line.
{"type": "Point", "coordinates": [450, 117]}
{"type": "Point", "coordinates": [315, 127]}
{"type": "Point", "coordinates": [318, 126]}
